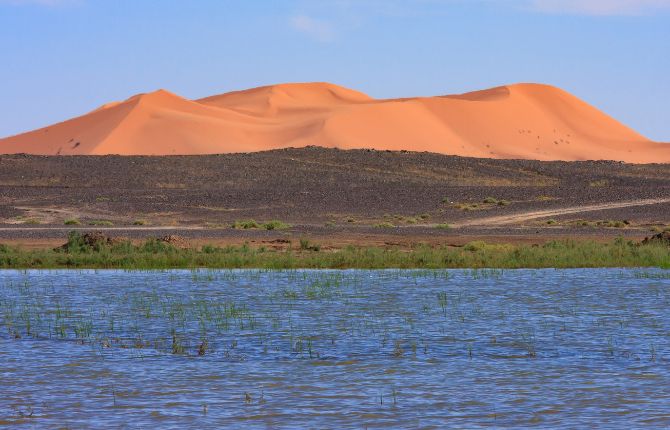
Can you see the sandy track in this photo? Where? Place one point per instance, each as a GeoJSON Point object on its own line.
{"type": "Point", "coordinates": [526, 216]}
{"type": "Point", "coordinates": [105, 228]}
{"type": "Point", "coordinates": [485, 221]}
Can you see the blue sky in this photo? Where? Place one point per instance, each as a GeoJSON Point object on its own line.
{"type": "Point", "coordinates": [62, 58]}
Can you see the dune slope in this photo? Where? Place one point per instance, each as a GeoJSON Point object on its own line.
{"type": "Point", "coordinates": [528, 121]}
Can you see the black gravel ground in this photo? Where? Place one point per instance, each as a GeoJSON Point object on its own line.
{"type": "Point", "coordinates": [309, 187]}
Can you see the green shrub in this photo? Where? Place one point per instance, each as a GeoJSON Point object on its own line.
{"type": "Point", "coordinates": [123, 247]}
{"type": "Point", "coordinates": [477, 245]}
{"type": "Point", "coordinates": [140, 222]}
{"type": "Point", "coordinates": [246, 224]}
{"type": "Point", "coordinates": [156, 246]}
{"type": "Point", "coordinates": [491, 201]}
{"type": "Point", "coordinates": [444, 226]}
{"type": "Point", "coordinates": [209, 249]}
{"type": "Point", "coordinates": [72, 222]}
{"type": "Point", "coordinates": [75, 243]}
{"type": "Point", "coordinates": [306, 245]}
{"type": "Point", "coordinates": [276, 225]}
{"type": "Point", "coordinates": [384, 225]}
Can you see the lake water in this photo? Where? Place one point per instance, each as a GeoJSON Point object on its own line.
{"type": "Point", "coordinates": [335, 349]}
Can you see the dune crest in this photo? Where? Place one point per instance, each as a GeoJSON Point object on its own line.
{"type": "Point", "coordinates": [529, 121]}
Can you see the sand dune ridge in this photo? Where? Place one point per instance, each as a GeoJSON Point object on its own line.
{"type": "Point", "coordinates": [528, 121]}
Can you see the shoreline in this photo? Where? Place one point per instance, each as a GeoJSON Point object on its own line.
{"type": "Point", "coordinates": [171, 252]}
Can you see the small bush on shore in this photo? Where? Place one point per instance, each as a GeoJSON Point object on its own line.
{"type": "Point", "coordinates": [306, 245]}
{"type": "Point", "coordinates": [72, 222]}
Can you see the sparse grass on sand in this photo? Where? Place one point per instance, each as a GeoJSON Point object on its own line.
{"type": "Point", "coordinates": [101, 223]}
{"type": "Point", "coordinates": [252, 224]}
{"type": "Point", "coordinates": [158, 255]}
{"type": "Point", "coordinates": [487, 203]}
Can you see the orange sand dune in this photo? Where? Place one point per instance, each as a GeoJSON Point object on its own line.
{"type": "Point", "coordinates": [518, 121]}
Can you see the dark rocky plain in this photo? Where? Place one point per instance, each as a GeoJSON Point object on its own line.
{"type": "Point", "coordinates": [335, 196]}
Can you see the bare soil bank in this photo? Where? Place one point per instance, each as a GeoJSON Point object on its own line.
{"type": "Point", "coordinates": [357, 196]}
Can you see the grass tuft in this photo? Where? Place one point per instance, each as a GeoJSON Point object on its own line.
{"type": "Point", "coordinates": [276, 225]}
{"type": "Point", "coordinates": [245, 225]}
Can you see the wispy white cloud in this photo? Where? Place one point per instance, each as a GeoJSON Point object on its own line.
{"type": "Point", "coordinates": [317, 29]}
{"type": "Point", "coordinates": [599, 7]}
{"type": "Point", "coordinates": [364, 8]}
